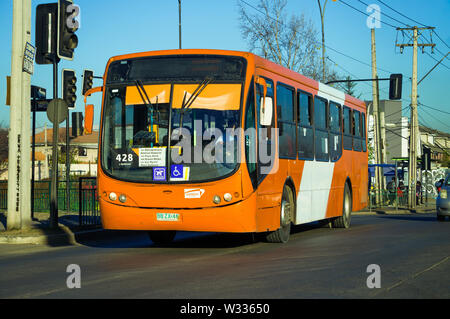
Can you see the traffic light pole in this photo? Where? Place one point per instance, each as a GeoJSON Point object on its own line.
{"type": "Point", "coordinates": [67, 164]}
{"type": "Point", "coordinates": [33, 150]}
{"type": "Point", "coordinates": [54, 183]}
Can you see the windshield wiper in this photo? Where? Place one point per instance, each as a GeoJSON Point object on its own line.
{"type": "Point", "coordinates": [187, 104]}
{"type": "Point", "coordinates": [143, 92]}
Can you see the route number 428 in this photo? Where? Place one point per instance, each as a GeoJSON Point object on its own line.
{"type": "Point", "coordinates": [124, 157]}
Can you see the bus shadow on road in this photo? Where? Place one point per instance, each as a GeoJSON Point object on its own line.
{"type": "Point", "coordinates": [140, 239]}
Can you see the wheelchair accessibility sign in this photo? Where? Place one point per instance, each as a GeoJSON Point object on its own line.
{"type": "Point", "coordinates": [176, 171]}
{"type": "Point", "coordinates": [179, 173]}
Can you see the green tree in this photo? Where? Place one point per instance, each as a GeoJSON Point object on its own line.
{"type": "Point", "coordinates": [349, 87]}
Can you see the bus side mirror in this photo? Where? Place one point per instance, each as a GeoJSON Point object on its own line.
{"type": "Point", "coordinates": [395, 86]}
{"type": "Point", "coordinates": [266, 109]}
{"type": "Point", "coordinates": [88, 119]}
{"type": "Point", "coordinates": [89, 110]}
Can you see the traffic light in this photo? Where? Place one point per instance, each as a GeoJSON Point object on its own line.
{"type": "Point", "coordinates": [426, 158]}
{"type": "Point", "coordinates": [395, 86]}
{"type": "Point", "coordinates": [88, 78]}
{"type": "Point", "coordinates": [77, 124]}
{"type": "Point", "coordinates": [45, 35]}
{"type": "Point", "coordinates": [67, 26]}
{"type": "Point", "coordinates": [69, 88]}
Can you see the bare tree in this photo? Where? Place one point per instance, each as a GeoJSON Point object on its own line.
{"type": "Point", "coordinates": [289, 41]}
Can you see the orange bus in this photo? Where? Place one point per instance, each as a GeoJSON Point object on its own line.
{"type": "Point", "coordinates": [295, 149]}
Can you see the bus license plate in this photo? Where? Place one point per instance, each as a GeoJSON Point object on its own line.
{"type": "Point", "coordinates": [168, 217]}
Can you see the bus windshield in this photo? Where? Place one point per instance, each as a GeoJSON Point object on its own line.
{"type": "Point", "coordinates": [171, 132]}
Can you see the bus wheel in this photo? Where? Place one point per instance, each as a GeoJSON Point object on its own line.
{"type": "Point", "coordinates": [281, 235]}
{"type": "Point", "coordinates": [162, 237]}
{"type": "Point", "coordinates": [344, 220]}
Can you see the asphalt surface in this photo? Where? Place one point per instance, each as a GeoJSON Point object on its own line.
{"type": "Point", "coordinates": [411, 250]}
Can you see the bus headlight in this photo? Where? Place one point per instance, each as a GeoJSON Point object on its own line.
{"type": "Point", "coordinates": [112, 196]}
{"type": "Point", "coordinates": [122, 198]}
{"type": "Point", "coordinates": [216, 199]}
{"type": "Point", "coordinates": [443, 193]}
{"type": "Point", "coordinates": [227, 197]}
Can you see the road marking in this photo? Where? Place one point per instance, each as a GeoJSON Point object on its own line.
{"type": "Point", "coordinates": [413, 276]}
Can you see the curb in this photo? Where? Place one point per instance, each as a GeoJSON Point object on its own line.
{"type": "Point", "coordinates": [393, 212]}
{"type": "Point", "coordinates": [65, 238]}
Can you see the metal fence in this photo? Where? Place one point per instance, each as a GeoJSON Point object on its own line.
{"type": "Point", "coordinates": [83, 198]}
{"type": "Point", "coordinates": [386, 198]}
{"type": "Point", "coordinates": [88, 210]}
{"type": "Point", "coordinates": [398, 199]}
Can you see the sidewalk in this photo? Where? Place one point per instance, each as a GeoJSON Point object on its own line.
{"type": "Point", "coordinates": [68, 233]}
{"type": "Point", "coordinates": [423, 209]}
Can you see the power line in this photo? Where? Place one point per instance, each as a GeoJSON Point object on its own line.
{"type": "Point", "coordinates": [355, 59]}
{"type": "Point", "coordinates": [435, 109]}
{"type": "Point", "coordinates": [401, 14]}
{"type": "Point", "coordinates": [350, 57]}
{"type": "Point", "coordinates": [426, 40]}
{"type": "Point", "coordinates": [441, 39]}
{"type": "Point", "coordinates": [415, 21]}
{"type": "Point", "coordinates": [345, 70]}
{"type": "Point", "coordinates": [326, 46]}
{"type": "Point", "coordinates": [364, 13]}
{"type": "Point", "coordinates": [395, 133]}
{"type": "Point", "coordinates": [421, 35]}
{"type": "Point", "coordinates": [435, 118]}
{"type": "Point", "coordinates": [403, 109]}
{"type": "Point", "coordinates": [384, 14]}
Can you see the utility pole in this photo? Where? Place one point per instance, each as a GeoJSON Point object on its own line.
{"type": "Point", "coordinates": [322, 16]}
{"type": "Point", "coordinates": [19, 209]}
{"type": "Point", "coordinates": [414, 122]}
{"type": "Point", "coordinates": [179, 24]}
{"type": "Point", "coordinates": [25, 165]}
{"type": "Point", "coordinates": [376, 117]}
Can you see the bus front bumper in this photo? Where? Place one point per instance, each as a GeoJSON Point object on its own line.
{"type": "Point", "coordinates": [239, 217]}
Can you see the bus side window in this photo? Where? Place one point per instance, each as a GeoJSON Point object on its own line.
{"type": "Point", "coordinates": [321, 133]}
{"type": "Point", "coordinates": [286, 122]}
{"type": "Point", "coordinates": [335, 131]}
{"type": "Point", "coordinates": [305, 130]}
{"type": "Point", "coordinates": [265, 138]}
{"type": "Point", "coordinates": [356, 131]}
{"type": "Point", "coordinates": [250, 136]}
{"type": "Point", "coordinates": [363, 132]}
{"type": "Point", "coordinates": [347, 125]}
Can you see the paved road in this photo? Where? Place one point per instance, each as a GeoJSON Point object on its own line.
{"type": "Point", "coordinates": [412, 252]}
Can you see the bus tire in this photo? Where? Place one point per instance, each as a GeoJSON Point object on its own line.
{"type": "Point", "coordinates": [344, 220]}
{"type": "Point", "coordinates": [282, 234]}
{"type": "Point", "coordinates": [162, 237]}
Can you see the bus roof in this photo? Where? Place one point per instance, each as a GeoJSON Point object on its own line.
{"type": "Point", "coordinates": [258, 62]}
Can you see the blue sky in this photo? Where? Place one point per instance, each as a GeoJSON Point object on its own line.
{"type": "Point", "coordinates": [116, 27]}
